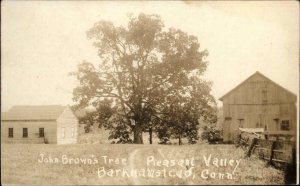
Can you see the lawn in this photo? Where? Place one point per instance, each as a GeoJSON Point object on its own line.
{"type": "Point", "coordinates": [97, 164]}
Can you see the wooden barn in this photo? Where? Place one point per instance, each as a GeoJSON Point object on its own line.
{"type": "Point", "coordinates": [39, 124]}
{"type": "Point", "coordinates": [259, 103]}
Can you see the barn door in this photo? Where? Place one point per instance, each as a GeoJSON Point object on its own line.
{"type": "Point", "coordinates": [256, 120]}
{"type": "Point", "coordinates": [227, 135]}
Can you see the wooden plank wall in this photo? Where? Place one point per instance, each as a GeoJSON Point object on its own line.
{"type": "Point", "coordinates": [275, 152]}
{"type": "Point", "coordinates": [67, 121]}
{"type": "Point", "coordinates": [278, 153]}
{"type": "Point", "coordinates": [253, 115]}
{"type": "Point", "coordinates": [250, 92]}
{"type": "Point", "coordinates": [246, 102]}
{"type": "Point", "coordinates": [33, 131]}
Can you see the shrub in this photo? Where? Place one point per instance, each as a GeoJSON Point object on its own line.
{"type": "Point", "coordinates": [212, 135]}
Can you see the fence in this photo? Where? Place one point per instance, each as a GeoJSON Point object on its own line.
{"type": "Point", "coordinates": [275, 147]}
{"type": "Point", "coordinates": [275, 152]}
{"type": "Point", "coordinates": [278, 153]}
{"type": "Point", "coordinates": [278, 148]}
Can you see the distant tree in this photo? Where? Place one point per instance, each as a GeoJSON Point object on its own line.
{"type": "Point", "coordinates": [88, 119]}
{"type": "Point", "coordinates": [209, 129]}
{"type": "Point", "coordinates": [142, 67]}
{"type": "Point", "coordinates": [102, 111]}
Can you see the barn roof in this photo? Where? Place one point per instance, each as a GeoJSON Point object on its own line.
{"type": "Point", "coordinates": [44, 112]}
{"type": "Point", "coordinates": [255, 74]}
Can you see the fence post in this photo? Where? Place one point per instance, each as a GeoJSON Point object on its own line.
{"type": "Point", "coordinates": [271, 153]}
{"type": "Point", "coordinates": [290, 176]}
{"type": "Point", "coordinates": [254, 142]}
{"type": "Point", "coordinates": [238, 143]}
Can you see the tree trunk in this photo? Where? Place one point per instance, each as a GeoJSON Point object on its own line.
{"type": "Point", "coordinates": [137, 134]}
{"type": "Point", "coordinates": [150, 135]}
{"type": "Point", "coordinates": [179, 140]}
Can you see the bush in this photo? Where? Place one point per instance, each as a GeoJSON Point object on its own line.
{"type": "Point", "coordinates": [212, 135]}
{"type": "Point", "coordinates": [164, 140]}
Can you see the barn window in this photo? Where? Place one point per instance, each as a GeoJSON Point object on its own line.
{"type": "Point", "coordinates": [72, 132]}
{"type": "Point", "coordinates": [10, 132]}
{"type": "Point", "coordinates": [25, 132]}
{"type": "Point", "coordinates": [227, 118]}
{"type": "Point", "coordinates": [229, 136]}
{"type": "Point", "coordinates": [241, 123]}
{"type": "Point", "coordinates": [63, 132]}
{"type": "Point", "coordinates": [276, 123]}
{"type": "Point", "coordinates": [41, 132]}
{"type": "Point", "coordinates": [264, 97]}
{"type": "Point", "coordinates": [285, 125]}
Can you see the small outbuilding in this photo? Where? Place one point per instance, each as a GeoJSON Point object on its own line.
{"type": "Point", "coordinates": [39, 124]}
{"type": "Point", "coordinates": [259, 102]}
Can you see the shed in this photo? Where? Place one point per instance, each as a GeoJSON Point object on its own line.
{"type": "Point", "coordinates": [39, 124]}
{"type": "Point", "coordinates": [258, 102]}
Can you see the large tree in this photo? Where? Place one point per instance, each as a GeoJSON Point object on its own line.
{"type": "Point", "coordinates": [144, 69]}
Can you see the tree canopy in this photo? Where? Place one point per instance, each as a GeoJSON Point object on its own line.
{"type": "Point", "coordinates": [149, 78]}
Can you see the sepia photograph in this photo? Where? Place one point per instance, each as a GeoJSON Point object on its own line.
{"type": "Point", "coordinates": [149, 92]}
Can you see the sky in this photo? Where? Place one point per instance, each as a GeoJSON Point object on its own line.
{"type": "Point", "coordinates": [42, 41]}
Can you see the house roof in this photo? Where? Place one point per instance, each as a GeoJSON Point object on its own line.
{"type": "Point", "coordinates": [22, 112]}
{"type": "Point", "coordinates": [255, 74]}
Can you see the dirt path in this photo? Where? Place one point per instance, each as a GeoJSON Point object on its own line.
{"type": "Point", "coordinates": [186, 181]}
{"type": "Point", "coordinates": [160, 153]}
{"type": "Point", "coordinates": [132, 161]}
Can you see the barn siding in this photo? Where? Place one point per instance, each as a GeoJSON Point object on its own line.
{"type": "Point", "coordinates": [66, 122]}
{"type": "Point", "coordinates": [33, 131]}
{"type": "Point", "coordinates": [250, 92]}
{"type": "Point", "coordinates": [247, 102]}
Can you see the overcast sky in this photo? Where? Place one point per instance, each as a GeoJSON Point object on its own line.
{"type": "Point", "coordinates": [43, 41]}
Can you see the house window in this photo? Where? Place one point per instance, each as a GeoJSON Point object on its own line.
{"type": "Point", "coordinates": [62, 132]}
{"type": "Point", "coordinates": [285, 125]}
{"type": "Point", "coordinates": [10, 132]}
{"type": "Point", "coordinates": [72, 132]}
{"type": "Point", "coordinates": [41, 132]}
{"type": "Point", "coordinates": [25, 132]}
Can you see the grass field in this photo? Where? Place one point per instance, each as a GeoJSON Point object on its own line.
{"type": "Point", "coordinates": [20, 165]}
